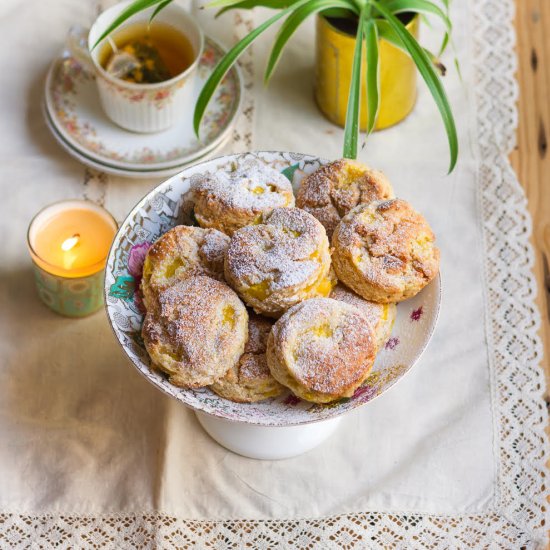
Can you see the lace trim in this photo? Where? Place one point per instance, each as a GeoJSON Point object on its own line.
{"type": "Point", "coordinates": [396, 531]}
{"type": "Point", "coordinates": [517, 380]}
{"type": "Point", "coordinates": [516, 349]}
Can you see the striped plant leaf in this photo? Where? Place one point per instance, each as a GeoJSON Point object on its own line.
{"type": "Point", "coordinates": [132, 9]}
{"type": "Point", "coordinates": [351, 131]}
{"type": "Point", "coordinates": [429, 75]}
{"type": "Point", "coordinates": [293, 21]}
{"type": "Point", "coordinates": [370, 32]}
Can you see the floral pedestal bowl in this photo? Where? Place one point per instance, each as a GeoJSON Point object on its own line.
{"type": "Point", "coordinates": [274, 428]}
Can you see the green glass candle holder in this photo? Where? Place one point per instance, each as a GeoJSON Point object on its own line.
{"type": "Point", "coordinates": [69, 242]}
{"type": "Point", "coordinates": [78, 297]}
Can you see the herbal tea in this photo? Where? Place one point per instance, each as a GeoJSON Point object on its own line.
{"type": "Point", "coordinates": [147, 53]}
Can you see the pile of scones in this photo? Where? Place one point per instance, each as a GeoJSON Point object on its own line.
{"type": "Point", "coordinates": [272, 292]}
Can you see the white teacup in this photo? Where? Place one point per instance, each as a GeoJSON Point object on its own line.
{"type": "Point", "coordinates": [134, 106]}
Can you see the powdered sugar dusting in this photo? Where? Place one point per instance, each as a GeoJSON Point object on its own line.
{"type": "Point", "coordinates": [191, 250]}
{"type": "Point", "coordinates": [281, 252]}
{"type": "Point", "coordinates": [250, 187]}
{"type": "Point", "coordinates": [214, 247]}
{"type": "Point", "coordinates": [253, 367]}
{"type": "Point", "coordinates": [393, 242]}
{"type": "Point", "coordinates": [188, 324]}
{"type": "Point", "coordinates": [335, 188]}
{"type": "Point", "coordinates": [258, 330]}
{"type": "Point", "coordinates": [328, 345]}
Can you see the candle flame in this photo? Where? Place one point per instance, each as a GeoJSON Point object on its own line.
{"type": "Point", "coordinates": [70, 243]}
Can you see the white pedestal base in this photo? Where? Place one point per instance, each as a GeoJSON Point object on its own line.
{"type": "Point", "coordinates": [266, 442]}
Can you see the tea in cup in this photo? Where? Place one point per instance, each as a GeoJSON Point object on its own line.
{"type": "Point", "coordinates": [145, 69]}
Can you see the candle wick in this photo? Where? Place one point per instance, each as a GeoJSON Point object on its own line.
{"type": "Point", "coordinates": [71, 242]}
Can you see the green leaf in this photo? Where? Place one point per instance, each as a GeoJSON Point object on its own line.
{"type": "Point", "coordinates": [351, 131]}
{"type": "Point", "coordinates": [370, 32]}
{"type": "Point", "coordinates": [338, 13]}
{"type": "Point", "coordinates": [447, 37]}
{"type": "Point", "coordinates": [436, 62]}
{"type": "Point", "coordinates": [444, 44]}
{"type": "Point", "coordinates": [227, 5]}
{"type": "Point", "coordinates": [457, 67]}
{"type": "Point", "coordinates": [132, 9]}
{"type": "Point", "coordinates": [294, 20]}
{"type": "Point", "coordinates": [386, 32]}
{"type": "Point", "coordinates": [223, 3]}
{"type": "Point", "coordinates": [159, 8]}
{"type": "Point", "coordinates": [449, 40]}
{"type": "Point", "coordinates": [418, 6]}
{"type": "Point", "coordinates": [426, 21]}
{"type": "Point", "coordinates": [424, 7]}
{"type": "Point", "coordinates": [429, 75]}
{"type": "Point", "coordinates": [227, 61]}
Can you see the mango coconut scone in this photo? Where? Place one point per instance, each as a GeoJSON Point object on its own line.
{"type": "Point", "coordinates": [385, 251]}
{"type": "Point", "coordinates": [380, 316]}
{"type": "Point", "coordinates": [250, 379]}
{"type": "Point", "coordinates": [280, 262]}
{"type": "Point", "coordinates": [321, 349]}
{"type": "Point", "coordinates": [228, 201]}
{"type": "Point", "coordinates": [197, 332]}
{"type": "Point", "coordinates": [333, 190]}
{"type": "Point", "coordinates": [179, 253]}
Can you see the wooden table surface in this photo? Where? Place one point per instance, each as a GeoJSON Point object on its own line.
{"type": "Point", "coordinates": [531, 158]}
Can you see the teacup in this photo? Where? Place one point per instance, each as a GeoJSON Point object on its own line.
{"type": "Point", "coordinates": [139, 107]}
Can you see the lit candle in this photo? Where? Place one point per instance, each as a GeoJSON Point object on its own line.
{"type": "Point", "coordinates": [69, 242]}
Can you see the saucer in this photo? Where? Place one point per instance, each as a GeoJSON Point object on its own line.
{"type": "Point", "coordinates": [140, 173]}
{"type": "Point", "coordinates": [72, 105]}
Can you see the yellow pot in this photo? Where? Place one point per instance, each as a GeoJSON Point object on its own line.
{"type": "Point", "coordinates": [334, 58]}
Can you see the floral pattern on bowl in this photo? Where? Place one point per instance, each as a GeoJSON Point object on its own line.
{"type": "Point", "coordinates": [163, 208]}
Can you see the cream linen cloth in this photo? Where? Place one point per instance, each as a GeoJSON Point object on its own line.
{"type": "Point", "coordinates": [84, 436]}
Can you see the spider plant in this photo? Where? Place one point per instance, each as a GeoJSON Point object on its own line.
{"type": "Point", "coordinates": [376, 19]}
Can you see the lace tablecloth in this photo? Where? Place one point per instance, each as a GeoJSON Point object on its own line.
{"type": "Point", "coordinates": [453, 457]}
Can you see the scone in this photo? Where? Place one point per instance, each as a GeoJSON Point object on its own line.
{"type": "Point", "coordinates": [333, 190]}
{"type": "Point", "coordinates": [321, 349]}
{"type": "Point", "coordinates": [280, 262]}
{"type": "Point", "coordinates": [380, 316]}
{"type": "Point", "coordinates": [385, 251]}
{"type": "Point", "coordinates": [197, 332]}
{"type": "Point", "coordinates": [250, 379]}
{"type": "Point", "coordinates": [229, 201]}
{"type": "Point", "coordinates": [179, 253]}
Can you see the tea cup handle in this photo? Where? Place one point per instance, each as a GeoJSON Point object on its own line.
{"type": "Point", "coordinates": [76, 45]}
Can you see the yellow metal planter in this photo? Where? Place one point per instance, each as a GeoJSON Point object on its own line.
{"type": "Point", "coordinates": [334, 58]}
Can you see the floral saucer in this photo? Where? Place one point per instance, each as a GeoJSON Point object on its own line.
{"type": "Point", "coordinates": [140, 173]}
{"type": "Point", "coordinates": [163, 208]}
{"type": "Point", "coordinates": [72, 105]}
